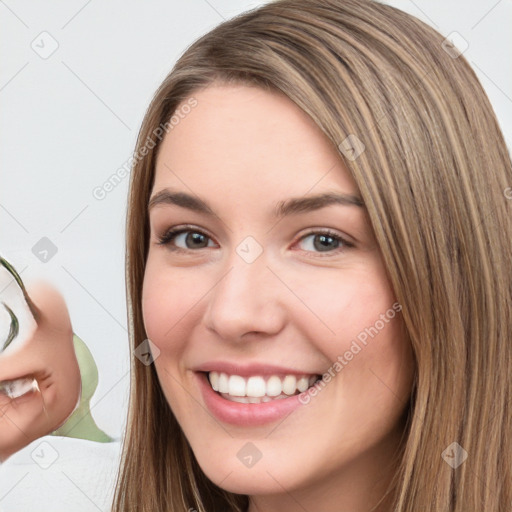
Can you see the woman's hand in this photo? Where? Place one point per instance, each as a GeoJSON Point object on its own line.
{"type": "Point", "coordinates": [39, 375]}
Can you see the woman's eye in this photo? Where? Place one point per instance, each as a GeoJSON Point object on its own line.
{"type": "Point", "coordinates": [324, 242]}
{"type": "Point", "coordinates": [185, 239]}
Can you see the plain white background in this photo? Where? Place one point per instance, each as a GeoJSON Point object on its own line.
{"type": "Point", "coordinates": [69, 120]}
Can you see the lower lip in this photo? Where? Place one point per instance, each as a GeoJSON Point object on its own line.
{"type": "Point", "coordinates": [245, 415]}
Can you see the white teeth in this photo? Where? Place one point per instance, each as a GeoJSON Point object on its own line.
{"type": "Point", "coordinates": [257, 389]}
{"type": "Point", "coordinates": [223, 383]}
{"type": "Point", "coordinates": [19, 387]}
{"type": "Point", "coordinates": [274, 386]}
{"type": "Point", "coordinates": [214, 380]}
{"type": "Point", "coordinates": [237, 386]}
{"type": "Point", "coordinates": [303, 384]}
{"type": "Point", "coordinates": [289, 384]}
{"type": "Point", "coordinates": [240, 399]}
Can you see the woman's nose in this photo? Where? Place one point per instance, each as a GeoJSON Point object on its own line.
{"type": "Point", "coordinates": [249, 298]}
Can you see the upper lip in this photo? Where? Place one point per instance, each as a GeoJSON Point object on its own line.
{"type": "Point", "coordinates": [247, 370]}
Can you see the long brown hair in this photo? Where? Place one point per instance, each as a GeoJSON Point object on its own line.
{"type": "Point", "coordinates": [433, 175]}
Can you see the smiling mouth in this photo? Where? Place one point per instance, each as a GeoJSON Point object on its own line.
{"type": "Point", "coordinates": [19, 387]}
{"type": "Point", "coordinates": [259, 389]}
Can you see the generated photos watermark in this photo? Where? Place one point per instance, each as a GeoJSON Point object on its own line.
{"type": "Point", "coordinates": [101, 192]}
{"type": "Point", "coordinates": [357, 344]}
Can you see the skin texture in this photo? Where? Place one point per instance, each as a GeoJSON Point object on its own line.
{"type": "Point", "coordinates": [243, 150]}
{"type": "Point", "coordinates": [49, 357]}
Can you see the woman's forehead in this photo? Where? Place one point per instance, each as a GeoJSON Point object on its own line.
{"type": "Point", "coordinates": [251, 138]}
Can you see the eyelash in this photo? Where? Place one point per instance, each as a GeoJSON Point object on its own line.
{"type": "Point", "coordinates": [172, 233]}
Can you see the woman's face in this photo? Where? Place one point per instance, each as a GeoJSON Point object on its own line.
{"type": "Point", "coordinates": [40, 379]}
{"type": "Point", "coordinates": [269, 283]}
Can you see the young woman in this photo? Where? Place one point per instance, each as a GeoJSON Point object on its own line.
{"type": "Point", "coordinates": [318, 273]}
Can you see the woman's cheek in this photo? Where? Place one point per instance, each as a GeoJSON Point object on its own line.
{"type": "Point", "coordinates": [153, 307]}
{"type": "Point", "coordinates": [162, 307]}
{"type": "Point", "coordinates": [357, 305]}
{"type": "Point", "coordinates": [153, 302]}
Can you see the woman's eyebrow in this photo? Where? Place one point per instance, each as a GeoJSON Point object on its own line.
{"type": "Point", "coordinates": [290, 206]}
{"type": "Point", "coordinates": [315, 202]}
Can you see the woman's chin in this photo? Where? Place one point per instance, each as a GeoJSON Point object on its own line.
{"type": "Point", "coordinates": [241, 476]}
{"type": "Point", "coordinates": [251, 482]}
